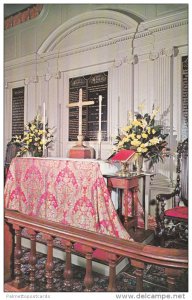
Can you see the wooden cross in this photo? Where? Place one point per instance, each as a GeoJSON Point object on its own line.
{"type": "Point", "coordinates": [80, 104]}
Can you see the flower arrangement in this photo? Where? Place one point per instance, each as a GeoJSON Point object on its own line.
{"type": "Point", "coordinates": [143, 136]}
{"type": "Point", "coordinates": [37, 137]}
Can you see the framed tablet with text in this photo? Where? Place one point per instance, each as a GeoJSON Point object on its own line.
{"type": "Point", "coordinates": [92, 86]}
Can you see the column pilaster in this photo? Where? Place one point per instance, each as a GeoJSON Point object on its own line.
{"type": "Point", "coordinates": [163, 69]}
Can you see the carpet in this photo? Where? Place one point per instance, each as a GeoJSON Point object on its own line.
{"type": "Point", "coordinates": [154, 277]}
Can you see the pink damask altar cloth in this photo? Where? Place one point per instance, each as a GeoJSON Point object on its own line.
{"type": "Point", "coordinates": [71, 192]}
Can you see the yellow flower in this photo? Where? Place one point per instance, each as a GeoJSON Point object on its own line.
{"type": "Point", "coordinates": [135, 143]}
{"type": "Point", "coordinates": [141, 106]}
{"type": "Point", "coordinates": [144, 123]}
{"type": "Point", "coordinates": [33, 127]}
{"type": "Point", "coordinates": [154, 113]}
{"type": "Point", "coordinates": [154, 141]}
{"type": "Point", "coordinates": [153, 131]}
{"type": "Point", "coordinates": [138, 136]}
{"type": "Point", "coordinates": [142, 150]}
{"type": "Point", "coordinates": [136, 123]}
{"type": "Point", "coordinates": [132, 136]}
{"type": "Point", "coordinates": [130, 117]}
{"type": "Point", "coordinates": [121, 143]}
{"type": "Point", "coordinates": [125, 139]}
{"type": "Point", "coordinates": [139, 149]}
{"type": "Point", "coordinates": [127, 128]}
{"type": "Point", "coordinates": [144, 135]}
{"type": "Point", "coordinates": [148, 130]}
{"type": "Point", "coordinates": [144, 145]}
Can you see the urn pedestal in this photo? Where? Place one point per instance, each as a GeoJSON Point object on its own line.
{"type": "Point", "coordinates": [139, 164]}
{"type": "Point", "coordinates": [81, 151]}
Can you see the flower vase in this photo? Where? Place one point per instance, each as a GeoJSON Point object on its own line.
{"type": "Point", "coordinates": [27, 154]}
{"type": "Point", "coordinates": [139, 164]}
{"type": "Point", "coordinates": [32, 154]}
{"type": "Point", "coordinates": [38, 154]}
{"type": "Point", "coordinates": [146, 164]}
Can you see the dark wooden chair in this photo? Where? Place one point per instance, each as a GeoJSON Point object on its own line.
{"type": "Point", "coordinates": [11, 152]}
{"type": "Point", "coordinates": [172, 224]}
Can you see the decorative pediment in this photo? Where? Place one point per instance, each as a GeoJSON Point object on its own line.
{"type": "Point", "coordinates": [89, 28]}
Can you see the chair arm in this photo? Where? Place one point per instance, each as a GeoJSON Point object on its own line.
{"type": "Point", "coordinates": [164, 197]}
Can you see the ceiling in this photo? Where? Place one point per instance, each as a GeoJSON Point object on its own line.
{"type": "Point", "coordinates": [11, 9]}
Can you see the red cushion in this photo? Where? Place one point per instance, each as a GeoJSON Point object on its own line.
{"type": "Point", "coordinates": [79, 248]}
{"type": "Point", "coordinates": [99, 254]}
{"type": "Point", "coordinates": [177, 212]}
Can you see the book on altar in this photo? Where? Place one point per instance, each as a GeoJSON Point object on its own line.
{"type": "Point", "coordinates": [123, 155]}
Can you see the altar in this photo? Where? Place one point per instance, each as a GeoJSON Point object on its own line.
{"type": "Point", "coordinates": [72, 192]}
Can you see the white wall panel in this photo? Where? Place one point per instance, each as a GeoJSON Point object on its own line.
{"type": "Point", "coordinates": [52, 112]}
{"type": "Point", "coordinates": [10, 47]}
{"type": "Point", "coordinates": [155, 77]}
{"type": "Point", "coordinates": [28, 41]}
{"type": "Point", "coordinates": [7, 112]}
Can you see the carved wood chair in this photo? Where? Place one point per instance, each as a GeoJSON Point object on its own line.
{"type": "Point", "coordinates": [172, 224]}
{"type": "Point", "coordinates": [11, 152]}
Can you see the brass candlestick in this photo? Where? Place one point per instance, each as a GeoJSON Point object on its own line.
{"type": "Point", "coordinates": [80, 139]}
{"type": "Point", "coordinates": [124, 172]}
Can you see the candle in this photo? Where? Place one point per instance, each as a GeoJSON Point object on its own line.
{"type": "Point", "coordinates": [80, 112]}
{"type": "Point", "coordinates": [100, 105]}
{"type": "Point", "coordinates": [118, 107]}
{"type": "Point", "coordinates": [99, 136]}
{"type": "Point", "coordinates": [43, 127]}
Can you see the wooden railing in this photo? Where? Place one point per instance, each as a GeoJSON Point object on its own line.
{"type": "Point", "coordinates": [174, 260]}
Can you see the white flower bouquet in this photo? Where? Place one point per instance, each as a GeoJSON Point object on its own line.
{"type": "Point", "coordinates": [37, 136]}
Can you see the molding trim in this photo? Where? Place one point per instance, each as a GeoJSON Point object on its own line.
{"type": "Point", "coordinates": [153, 55]}
{"type": "Point", "coordinates": [113, 18]}
{"type": "Point", "coordinates": [172, 51]}
{"type": "Point", "coordinates": [164, 21]}
{"type": "Point", "coordinates": [27, 81]}
{"type": "Point", "coordinates": [57, 75]}
{"type": "Point", "coordinates": [114, 39]}
{"type": "Point", "coordinates": [35, 79]}
{"type": "Point", "coordinates": [48, 76]}
{"type": "Point", "coordinates": [146, 32]}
